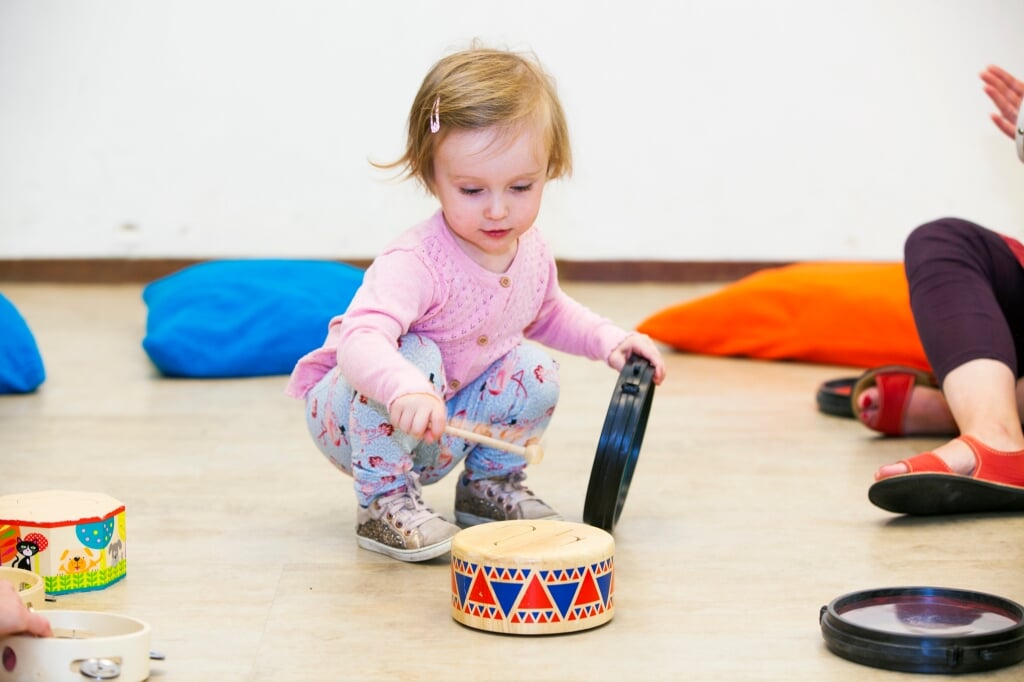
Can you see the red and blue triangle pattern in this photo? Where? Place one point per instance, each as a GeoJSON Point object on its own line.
{"type": "Point", "coordinates": [528, 596]}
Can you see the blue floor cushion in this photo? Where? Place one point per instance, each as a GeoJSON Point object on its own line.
{"type": "Point", "coordinates": [21, 365]}
{"type": "Point", "coordinates": [239, 318]}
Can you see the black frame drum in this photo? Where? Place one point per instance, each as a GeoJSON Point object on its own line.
{"type": "Point", "coordinates": [619, 446]}
{"type": "Point", "coordinates": [925, 629]}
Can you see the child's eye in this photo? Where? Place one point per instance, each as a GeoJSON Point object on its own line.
{"type": "Point", "coordinates": [522, 188]}
{"type": "Point", "coordinates": [469, 191]}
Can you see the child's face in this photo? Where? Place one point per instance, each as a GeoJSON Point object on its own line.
{"type": "Point", "coordinates": [490, 188]}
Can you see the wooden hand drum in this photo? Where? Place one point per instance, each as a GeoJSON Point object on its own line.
{"type": "Point", "coordinates": [532, 577]}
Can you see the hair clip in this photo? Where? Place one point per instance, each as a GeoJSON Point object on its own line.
{"type": "Point", "coordinates": [435, 116]}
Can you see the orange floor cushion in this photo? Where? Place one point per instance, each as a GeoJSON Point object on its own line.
{"type": "Point", "coordinates": [842, 313]}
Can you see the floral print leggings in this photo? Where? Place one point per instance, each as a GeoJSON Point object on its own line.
{"type": "Point", "coordinates": [512, 400]}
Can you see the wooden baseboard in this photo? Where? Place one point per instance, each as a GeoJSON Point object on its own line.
{"type": "Point", "coordinates": [141, 270]}
{"type": "Point", "coordinates": [659, 271]}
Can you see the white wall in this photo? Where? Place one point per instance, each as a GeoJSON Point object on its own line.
{"type": "Point", "coordinates": [703, 129]}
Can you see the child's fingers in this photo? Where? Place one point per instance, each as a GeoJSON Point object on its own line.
{"type": "Point", "coordinates": [438, 420]}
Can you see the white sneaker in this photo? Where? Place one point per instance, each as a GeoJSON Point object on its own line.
{"type": "Point", "coordinates": [498, 499]}
{"type": "Point", "coordinates": [403, 527]}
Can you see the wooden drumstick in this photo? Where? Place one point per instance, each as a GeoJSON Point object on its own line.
{"type": "Point", "coordinates": [532, 452]}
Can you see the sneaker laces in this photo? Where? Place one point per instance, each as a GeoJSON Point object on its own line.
{"type": "Point", "coordinates": [407, 508]}
{"type": "Point", "coordinates": [507, 490]}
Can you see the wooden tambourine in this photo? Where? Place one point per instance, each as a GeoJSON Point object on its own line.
{"type": "Point", "coordinates": [619, 446]}
{"type": "Point", "coordinates": [30, 586]}
{"type": "Point", "coordinates": [85, 645]}
{"type": "Point", "coordinates": [532, 577]}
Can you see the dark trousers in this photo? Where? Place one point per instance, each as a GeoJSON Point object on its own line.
{"type": "Point", "coordinates": [967, 295]}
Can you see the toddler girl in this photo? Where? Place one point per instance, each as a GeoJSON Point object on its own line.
{"type": "Point", "coordinates": [436, 331]}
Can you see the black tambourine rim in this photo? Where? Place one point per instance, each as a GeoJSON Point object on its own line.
{"type": "Point", "coordinates": [924, 653]}
{"type": "Point", "coordinates": [834, 397]}
{"type": "Point", "coordinates": [619, 445]}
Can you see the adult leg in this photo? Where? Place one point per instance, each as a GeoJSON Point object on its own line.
{"type": "Point", "coordinates": [966, 291]}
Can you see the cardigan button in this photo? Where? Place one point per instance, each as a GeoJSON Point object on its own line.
{"type": "Point", "coordinates": [454, 384]}
{"type": "Point", "coordinates": [481, 341]}
{"type": "Point", "coordinates": [505, 282]}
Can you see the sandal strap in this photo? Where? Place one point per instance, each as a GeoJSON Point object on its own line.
{"type": "Point", "coordinates": [894, 391]}
{"type": "Point", "coordinates": [996, 466]}
{"type": "Point", "coordinates": [895, 383]}
{"type": "Point", "coordinates": [926, 461]}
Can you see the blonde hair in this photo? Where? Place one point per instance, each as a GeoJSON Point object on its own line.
{"type": "Point", "coordinates": [482, 88]}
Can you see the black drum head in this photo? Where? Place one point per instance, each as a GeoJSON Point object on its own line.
{"type": "Point", "coordinates": [619, 446]}
{"type": "Point", "coordinates": [834, 397]}
{"type": "Point", "coordinates": [925, 629]}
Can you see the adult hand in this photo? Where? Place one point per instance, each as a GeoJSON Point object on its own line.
{"type": "Point", "coordinates": [642, 345]}
{"type": "Point", "coordinates": [422, 415]}
{"type": "Point", "coordinates": [15, 617]}
{"type": "Point", "coordinates": [1006, 92]}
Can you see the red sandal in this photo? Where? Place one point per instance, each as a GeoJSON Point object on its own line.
{"type": "Point", "coordinates": [895, 384]}
{"type": "Point", "coordinates": [930, 487]}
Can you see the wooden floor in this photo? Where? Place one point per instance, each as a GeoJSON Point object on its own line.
{"type": "Point", "coordinates": [747, 513]}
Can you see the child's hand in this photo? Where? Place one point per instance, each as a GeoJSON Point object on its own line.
{"type": "Point", "coordinates": [422, 415]}
{"type": "Point", "coordinates": [642, 345]}
{"type": "Point", "coordinates": [15, 617]}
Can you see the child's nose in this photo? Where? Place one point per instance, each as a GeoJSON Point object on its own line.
{"type": "Point", "coordinates": [497, 209]}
